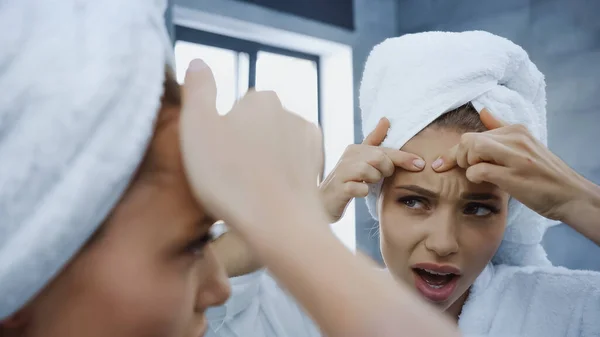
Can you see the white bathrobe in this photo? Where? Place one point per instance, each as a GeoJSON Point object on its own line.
{"type": "Point", "coordinates": [412, 80]}
{"type": "Point", "coordinates": [506, 301]}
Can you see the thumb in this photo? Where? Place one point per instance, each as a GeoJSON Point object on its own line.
{"type": "Point", "coordinates": [198, 112]}
{"type": "Point", "coordinates": [200, 89]}
{"type": "Point", "coordinates": [376, 137]}
{"type": "Point", "coordinates": [490, 121]}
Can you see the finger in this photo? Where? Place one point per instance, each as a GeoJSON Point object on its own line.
{"type": "Point", "coordinates": [366, 173]}
{"type": "Point", "coordinates": [354, 189]}
{"type": "Point", "coordinates": [490, 121]}
{"type": "Point", "coordinates": [405, 160]}
{"type": "Point", "coordinates": [376, 137]}
{"type": "Point", "coordinates": [491, 148]}
{"type": "Point", "coordinates": [200, 89]}
{"type": "Point", "coordinates": [474, 148]}
{"type": "Point", "coordinates": [469, 151]}
{"type": "Point", "coordinates": [446, 161]}
{"type": "Point", "coordinates": [260, 103]}
{"type": "Point", "coordinates": [490, 173]}
{"type": "Point", "coordinates": [376, 157]}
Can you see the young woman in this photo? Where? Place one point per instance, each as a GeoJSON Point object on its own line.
{"type": "Point", "coordinates": [101, 229]}
{"type": "Point", "coordinates": [448, 230]}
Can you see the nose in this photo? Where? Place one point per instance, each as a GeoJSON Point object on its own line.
{"type": "Point", "coordinates": [215, 288]}
{"type": "Point", "coordinates": [442, 238]}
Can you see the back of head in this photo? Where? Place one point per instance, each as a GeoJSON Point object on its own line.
{"type": "Point", "coordinates": [81, 87]}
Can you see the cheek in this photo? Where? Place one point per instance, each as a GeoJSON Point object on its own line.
{"type": "Point", "coordinates": [399, 237]}
{"type": "Point", "coordinates": [113, 293]}
{"type": "Point", "coordinates": [479, 243]}
{"type": "Point", "coordinates": [145, 291]}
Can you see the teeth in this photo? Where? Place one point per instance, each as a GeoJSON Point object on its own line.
{"type": "Point", "coordinates": [436, 273]}
{"type": "Point", "coordinates": [434, 286]}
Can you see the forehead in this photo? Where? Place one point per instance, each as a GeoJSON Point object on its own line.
{"type": "Point", "coordinates": [429, 144]}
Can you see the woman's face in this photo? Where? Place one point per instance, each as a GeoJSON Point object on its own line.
{"type": "Point", "coordinates": [149, 272]}
{"type": "Point", "coordinates": [438, 230]}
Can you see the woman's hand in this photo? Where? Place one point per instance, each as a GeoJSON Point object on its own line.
{"type": "Point", "coordinates": [256, 162]}
{"type": "Point", "coordinates": [511, 158]}
{"type": "Point", "coordinates": [360, 165]}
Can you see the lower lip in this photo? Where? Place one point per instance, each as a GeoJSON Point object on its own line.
{"type": "Point", "coordinates": [436, 295]}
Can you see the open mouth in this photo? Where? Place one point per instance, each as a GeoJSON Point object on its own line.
{"type": "Point", "coordinates": [435, 285]}
{"type": "Point", "coordinates": [435, 280]}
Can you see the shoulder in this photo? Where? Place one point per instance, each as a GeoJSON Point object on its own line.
{"type": "Point", "coordinates": [534, 301]}
{"type": "Point", "coordinates": [547, 272]}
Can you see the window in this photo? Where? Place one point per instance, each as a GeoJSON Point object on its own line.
{"type": "Point", "coordinates": [230, 69]}
{"type": "Point", "coordinates": [294, 80]}
{"type": "Point", "coordinates": [238, 65]}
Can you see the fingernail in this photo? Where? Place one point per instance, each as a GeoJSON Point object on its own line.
{"type": "Point", "coordinates": [419, 163]}
{"type": "Point", "coordinates": [197, 64]}
{"type": "Point", "coordinates": [437, 163]}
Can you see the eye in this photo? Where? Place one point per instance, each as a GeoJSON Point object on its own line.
{"type": "Point", "coordinates": [196, 247]}
{"type": "Point", "coordinates": [479, 209]}
{"type": "Point", "coordinates": [412, 202]}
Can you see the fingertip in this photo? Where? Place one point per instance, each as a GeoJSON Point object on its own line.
{"type": "Point", "coordinates": [418, 163]}
{"type": "Point", "coordinates": [490, 121]}
{"type": "Point", "coordinates": [378, 135]}
{"type": "Point", "coordinates": [199, 84]}
{"type": "Point", "coordinates": [197, 65]}
{"type": "Point", "coordinates": [437, 164]}
{"type": "Point", "coordinates": [442, 164]}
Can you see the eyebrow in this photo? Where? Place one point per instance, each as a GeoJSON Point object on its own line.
{"type": "Point", "coordinates": [464, 195]}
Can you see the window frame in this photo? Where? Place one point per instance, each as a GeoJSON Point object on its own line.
{"type": "Point", "coordinates": [251, 48]}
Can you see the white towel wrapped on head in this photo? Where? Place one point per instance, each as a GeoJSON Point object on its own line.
{"type": "Point", "coordinates": [415, 78]}
{"type": "Point", "coordinates": [81, 83]}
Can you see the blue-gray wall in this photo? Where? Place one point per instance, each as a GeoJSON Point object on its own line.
{"type": "Point", "coordinates": [563, 39]}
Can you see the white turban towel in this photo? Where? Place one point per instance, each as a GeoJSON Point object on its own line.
{"type": "Point", "coordinates": [80, 83]}
{"type": "Point", "coordinates": [416, 78]}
